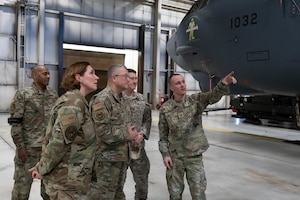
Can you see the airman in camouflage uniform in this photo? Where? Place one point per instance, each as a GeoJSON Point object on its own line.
{"type": "Point", "coordinates": [29, 111]}
{"type": "Point", "coordinates": [114, 132]}
{"type": "Point", "coordinates": [141, 118]}
{"type": "Point", "coordinates": [182, 139]}
{"type": "Point", "coordinates": [69, 150]}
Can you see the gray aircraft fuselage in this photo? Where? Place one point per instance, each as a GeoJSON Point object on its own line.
{"type": "Point", "coordinates": [257, 39]}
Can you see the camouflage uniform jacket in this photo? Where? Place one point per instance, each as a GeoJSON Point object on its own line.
{"type": "Point", "coordinates": [32, 107]}
{"type": "Point", "coordinates": [180, 124]}
{"type": "Point", "coordinates": [69, 150]}
{"type": "Point", "coordinates": [140, 113]}
{"type": "Point", "coordinates": [111, 115]}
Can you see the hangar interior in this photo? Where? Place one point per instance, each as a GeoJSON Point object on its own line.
{"type": "Point", "coordinates": [103, 32]}
{"type": "Point", "coordinates": [244, 161]}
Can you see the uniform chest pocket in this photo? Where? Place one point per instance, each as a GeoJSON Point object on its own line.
{"type": "Point", "coordinates": [116, 117]}
{"type": "Point", "coordinates": [33, 106]}
{"type": "Point", "coordinates": [180, 118]}
{"type": "Point", "coordinates": [137, 108]}
{"type": "Point", "coordinates": [173, 120]}
{"type": "Point", "coordinates": [88, 130]}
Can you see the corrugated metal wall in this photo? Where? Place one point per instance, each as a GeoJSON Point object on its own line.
{"type": "Point", "coordinates": [102, 23]}
{"type": "Point", "coordinates": [8, 69]}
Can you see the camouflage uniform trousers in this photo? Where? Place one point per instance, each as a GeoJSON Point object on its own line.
{"type": "Point", "coordinates": [140, 169]}
{"type": "Point", "coordinates": [195, 175]}
{"type": "Point", "coordinates": [56, 194]}
{"type": "Point", "coordinates": [110, 180]}
{"type": "Point", "coordinates": [22, 176]}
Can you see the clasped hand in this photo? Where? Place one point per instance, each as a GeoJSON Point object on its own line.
{"type": "Point", "coordinates": [135, 136]}
{"type": "Point", "coordinates": [34, 173]}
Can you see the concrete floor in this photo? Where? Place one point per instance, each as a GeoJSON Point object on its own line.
{"type": "Point", "coordinates": [244, 162]}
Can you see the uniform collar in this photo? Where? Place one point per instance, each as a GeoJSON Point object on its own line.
{"type": "Point", "coordinates": [37, 90]}
{"type": "Point", "coordinates": [133, 96]}
{"type": "Point", "coordinates": [116, 97]}
{"type": "Point", "coordinates": [183, 103]}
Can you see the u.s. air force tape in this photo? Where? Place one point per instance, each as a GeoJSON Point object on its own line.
{"type": "Point", "coordinates": [12, 120]}
{"type": "Point", "coordinates": [71, 133]}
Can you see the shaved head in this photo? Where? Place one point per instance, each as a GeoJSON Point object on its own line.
{"type": "Point", "coordinates": [36, 69]}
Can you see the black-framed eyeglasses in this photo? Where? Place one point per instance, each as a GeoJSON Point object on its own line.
{"type": "Point", "coordinates": [133, 78]}
{"type": "Point", "coordinates": [124, 75]}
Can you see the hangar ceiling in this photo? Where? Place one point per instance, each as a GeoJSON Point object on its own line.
{"type": "Point", "coordinates": [175, 5]}
{"type": "Point", "coordinates": [178, 5]}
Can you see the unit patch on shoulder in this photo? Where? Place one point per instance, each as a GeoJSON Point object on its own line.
{"type": "Point", "coordinates": [99, 111]}
{"type": "Point", "coordinates": [99, 115]}
{"type": "Point", "coordinates": [71, 133]}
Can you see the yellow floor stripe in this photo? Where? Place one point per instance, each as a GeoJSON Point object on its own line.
{"type": "Point", "coordinates": [230, 131]}
{"type": "Point", "coordinates": [155, 119]}
{"type": "Point", "coordinates": [243, 133]}
{"type": "Point", "coordinates": [217, 129]}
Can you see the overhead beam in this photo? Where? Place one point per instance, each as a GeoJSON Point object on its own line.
{"type": "Point", "coordinates": [172, 7]}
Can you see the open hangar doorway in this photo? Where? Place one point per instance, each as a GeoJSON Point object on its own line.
{"type": "Point", "coordinates": [100, 59]}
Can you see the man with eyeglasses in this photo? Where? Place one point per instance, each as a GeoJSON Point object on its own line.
{"type": "Point", "coordinates": [141, 118]}
{"type": "Point", "coordinates": [114, 131]}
